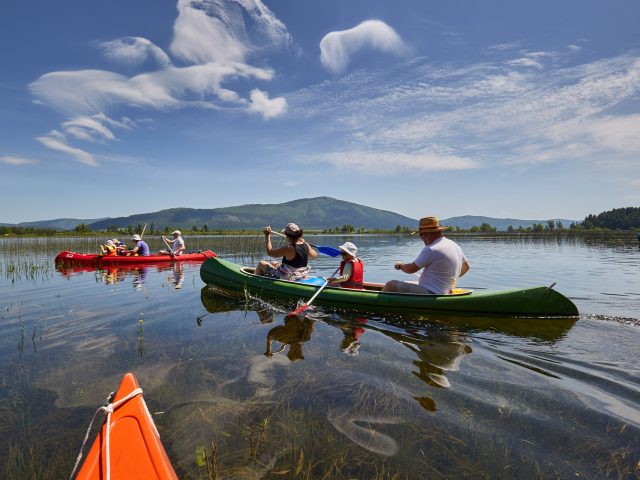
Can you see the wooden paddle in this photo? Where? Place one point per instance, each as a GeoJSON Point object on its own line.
{"type": "Point", "coordinates": [168, 246]}
{"type": "Point", "coordinates": [305, 306]}
{"type": "Point", "coordinates": [332, 252]}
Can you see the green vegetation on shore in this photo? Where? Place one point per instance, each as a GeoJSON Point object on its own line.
{"type": "Point", "coordinates": [617, 220]}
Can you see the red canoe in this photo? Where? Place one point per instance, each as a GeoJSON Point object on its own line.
{"type": "Point", "coordinates": [134, 446]}
{"type": "Point", "coordinates": [95, 259]}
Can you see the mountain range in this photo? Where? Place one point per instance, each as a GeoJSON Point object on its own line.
{"type": "Point", "coordinates": [317, 213]}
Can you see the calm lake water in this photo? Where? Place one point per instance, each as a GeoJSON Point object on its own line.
{"type": "Point", "coordinates": [340, 395]}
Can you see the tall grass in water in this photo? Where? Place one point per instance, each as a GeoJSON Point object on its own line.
{"type": "Point", "coordinates": [17, 270]}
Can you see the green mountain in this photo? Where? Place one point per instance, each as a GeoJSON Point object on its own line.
{"type": "Point", "coordinates": [310, 213]}
{"type": "Point", "coordinates": [467, 221]}
{"type": "Point", "coordinates": [59, 223]}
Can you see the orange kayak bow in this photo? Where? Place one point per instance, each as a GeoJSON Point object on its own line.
{"type": "Point", "coordinates": [128, 445]}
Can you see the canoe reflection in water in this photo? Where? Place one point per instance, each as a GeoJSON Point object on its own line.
{"type": "Point", "coordinates": [113, 275]}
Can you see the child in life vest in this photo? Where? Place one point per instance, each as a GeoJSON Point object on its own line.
{"type": "Point", "coordinates": [351, 268]}
{"type": "Point", "coordinates": [108, 249]}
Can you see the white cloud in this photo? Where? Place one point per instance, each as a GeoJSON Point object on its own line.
{"type": "Point", "coordinates": [88, 128]}
{"type": "Point", "coordinates": [617, 133]}
{"type": "Point", "coordinates": [337, 48]}
{"type": "Point", "coordinates": [13, 160]}
{"type": "Point", "coordinates": [214, 39]}
{"type": "Point", "coordinates": [57, 141]}
{"type": "Point", "coordinates": [491, 111]}
{"type": "Point", "coordinates": [225, 31]}
{"type": "Point", "coordinates": [391, 163]}
{"type": "Point", "coordinates": [525, 62]}
{"type": "Point", "coordinates": [134, 51]}
{"type": "Point", "coordinates": [268, 108]}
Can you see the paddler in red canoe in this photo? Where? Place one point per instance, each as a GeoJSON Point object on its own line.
{"type": "Point", "coordinates": [177, 248]}
{"type": "Point", "coordinates": [109, 249]}
{"type": "Point", "coordinates": [141, 249]}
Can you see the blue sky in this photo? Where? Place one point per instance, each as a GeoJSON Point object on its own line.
{"type": "Point", "coordinates": [493, 108]}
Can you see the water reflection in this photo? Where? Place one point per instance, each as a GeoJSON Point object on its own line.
{"type": "Point", "coordinates": [293, 333]}
{"type": "Point", "coordinates": [113, 275]}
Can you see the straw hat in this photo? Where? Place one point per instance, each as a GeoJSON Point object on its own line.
{"type": "Point", "coordinates": [430, 224]}
{"type": "Point", "coordinates": [349, 248]}
{"type": "Point", "coordinates": [291, 229]}
{"type": "Point", "coordinates": [176, 231]}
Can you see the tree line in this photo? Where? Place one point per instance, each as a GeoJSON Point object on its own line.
{"type": "Point", "coordinates": [617, 219]}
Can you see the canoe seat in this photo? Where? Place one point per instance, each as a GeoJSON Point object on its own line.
{"type": "Point", "coordinates": [460, 291]}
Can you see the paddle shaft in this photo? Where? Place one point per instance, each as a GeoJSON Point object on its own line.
{"type": "Point", "coordinates": [171, 252]}
{"type": "Point", "coordinates": [143, 229]}
{"type": "Point", "coordinates": [315, 295]}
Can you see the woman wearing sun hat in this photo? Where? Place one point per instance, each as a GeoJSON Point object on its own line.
{"type": "Point", "coordinates": [441, 260]}
{"type": "Point", "coordinates": [295, 255]}
{"type": "Point", "coordinates": [351, 268]}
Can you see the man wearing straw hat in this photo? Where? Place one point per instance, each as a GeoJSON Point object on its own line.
{"type": "Point", "coordinates": [441, 260]}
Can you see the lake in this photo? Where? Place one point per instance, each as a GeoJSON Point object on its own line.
{"type": "Point", "coordinates": [336, 395]}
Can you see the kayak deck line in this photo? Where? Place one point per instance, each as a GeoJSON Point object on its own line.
{"type": "Point", "coordinates": [128, 444]}
{"type": "Point", "coordinates": [536, 301]}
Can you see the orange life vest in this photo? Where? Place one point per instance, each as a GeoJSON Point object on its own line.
{"type": "Point", "coordinates": [357, 274]}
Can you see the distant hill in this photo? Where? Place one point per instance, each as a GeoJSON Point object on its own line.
{"type": "Point", "coordinates": [59, 223]}
{"type": "Point", "coordinates": [468, 221]}
{"type": "Point", "coordinates": [310, 213]}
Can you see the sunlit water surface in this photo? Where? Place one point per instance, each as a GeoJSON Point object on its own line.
{"type": "Point", "coordinates": [336, 395]}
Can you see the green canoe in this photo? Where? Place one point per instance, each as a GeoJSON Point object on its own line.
{"type": "Point", "coordinates": [536, 301]}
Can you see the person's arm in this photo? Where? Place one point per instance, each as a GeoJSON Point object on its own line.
{"type": "Point", "coordinates": [346, 273]}
{"type": "Point", "coordinates": [407, 267]}
{"type": "Point", "coordinates": [465, 268]}
{"type": "Point", "coordinates": [287, 251]}
{"type": "Point", "coordinates": [312, 252]}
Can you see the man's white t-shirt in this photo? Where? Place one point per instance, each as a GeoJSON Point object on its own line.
{"type": "Point", "coordinates": [441, 262]}
{"type": "Point", "coordinates": [178, 243]}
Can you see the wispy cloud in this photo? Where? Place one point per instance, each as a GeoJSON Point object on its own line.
{"type": "Point", "coordinates": [390, 163]}
{"type": "Point", "coordinates": [57, 141]}
{"type": "Point", "coordinates": [492, 113]}
{"type": "Point", "coordinates": [15, 160]}
{"type": "Point", "coordinates": [214, 37]}
{"type": "Point", "coordinates": [337, 48]}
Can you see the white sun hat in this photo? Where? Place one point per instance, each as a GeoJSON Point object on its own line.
{"type": "Point", "coordinates": [349, 248]}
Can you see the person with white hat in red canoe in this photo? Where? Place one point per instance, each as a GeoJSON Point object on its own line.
{"type": "Point", "coordinates": [177, 248]}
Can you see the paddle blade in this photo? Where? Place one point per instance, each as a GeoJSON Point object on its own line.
{"type": "Point", "coordinates": [332, 252]}
{"type": "Point", "coordinates": [299, 311]}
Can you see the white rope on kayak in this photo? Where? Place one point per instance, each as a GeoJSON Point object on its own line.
{"type": "Point", "coordinates": [109, 408]}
